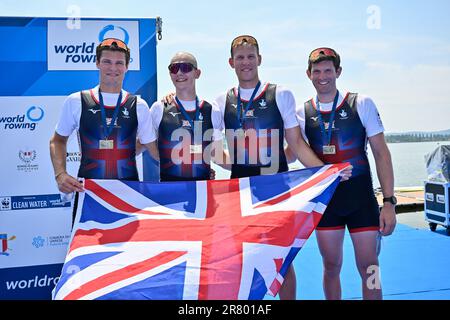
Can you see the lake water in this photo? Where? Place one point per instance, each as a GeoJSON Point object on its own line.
{"type": "Point", "coordinates": [408, 160]}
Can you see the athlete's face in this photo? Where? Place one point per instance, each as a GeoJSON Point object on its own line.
{"type": "Point", "coordinates": [112, 66]}
{"type": "Point", "coordinates": [323, 75]}
{"type": "Point", "coordinates": [184, 81]}
{"type": "Point", "coordinates": [245, 62]}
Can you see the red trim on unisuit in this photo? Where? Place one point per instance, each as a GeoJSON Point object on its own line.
{"type": "Point", "coordinates": [340, 106]}
{"type": "Point", "coordinates": [356, 230]}
{"type": "Point", "coordinates": [259, 96]}
{"type": "Point", "coordinates": [124, 100]}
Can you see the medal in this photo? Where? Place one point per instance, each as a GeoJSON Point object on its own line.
{"type": "Point", "coordinates": [246, 111]}
{"type": "Point", "coordinates": [106, 144]}
{"type": "Point", "coordinates": [193, 124]}
{"type": "Point", "coordinates": [189, 122]}
{"type": "Point", "coordinates": [326, 131]}
{"type": "Point", "coordinates": [329, 149]}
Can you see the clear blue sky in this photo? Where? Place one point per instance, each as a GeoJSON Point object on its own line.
{"type": "Point", "coordinates": [397, 52]}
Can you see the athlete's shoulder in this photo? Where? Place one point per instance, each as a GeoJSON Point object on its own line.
{"type": "Point", "coordinates": [284, 96]}
{"type": "Point", "coordinates": [361, 97]}
{"type": "Point", "coordinates": [279, 87]}
{"type": "Point", "coordinates": [73, 100]}
{"type": "Point", "coordinates": [221, 99]}
{"type": "Point", "coordinates": [141, 102]}
{"type": "Point", "coordinates": [205, 103]}
{"type": "Point", "coordinates": [365, 101]}
{"type": "Point", "coordinates": [282, 90]}
{"type": "Point", "coordinates": [76, 95]}
{"type": "Point", "coordinates": [157, 105]}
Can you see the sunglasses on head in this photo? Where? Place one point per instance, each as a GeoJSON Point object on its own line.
{"type": "Point", "coordinates": [243, 39]}
{"type": "Point", "coordinates": [184, 67]}
{"type": "Point", "coordinates": [328, 52]}
{"type": "Point", "coordinates": [109, 42]}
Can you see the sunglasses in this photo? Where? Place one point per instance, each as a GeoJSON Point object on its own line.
{"type": "Point", "coordinates": [315, 54]}
{"type": "Point", "coordinates": [109, 42]}
{"type": "Point", "coordinates": [185, 67]}
{"type": "Point", "coordinates": [244, 39]}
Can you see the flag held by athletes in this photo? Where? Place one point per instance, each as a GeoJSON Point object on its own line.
{"type": "Point", "coordinates": [224, 239]}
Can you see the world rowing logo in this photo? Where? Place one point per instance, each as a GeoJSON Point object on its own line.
{"type": "Point", "coordinates": [35, 114]}
{"type": "Point", "coordinates": [28, 120]}
{"type": "Point", "coordinates": [109, 29]}
{"type": "Point", "coordinates": [112, 31]}
{"type": "Point", "coordinates": [76, 51]}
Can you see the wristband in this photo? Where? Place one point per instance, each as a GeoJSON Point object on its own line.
{"type": "Point", "coordinates": [57, 175]}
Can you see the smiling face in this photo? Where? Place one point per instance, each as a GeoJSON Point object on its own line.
{"type": "Point", "coordinates": [112, 66]}
{"type": "Point", "coordinates": [184, 81]}
{"type": "Point", "coordinates": [245, 62]}
{"type": "Point", "coordinates": [323, 75]}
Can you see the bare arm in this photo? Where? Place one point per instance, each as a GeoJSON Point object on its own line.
{"type": "Point", "coordinates": [290, 156]}
{"type": "Point", "coordinates": [220, 156]}
{"type": "Point", "coordinates": [385, 173]}
{"type": "Point", "coordinates": [151, 147]}
{"type": "Point", "coordinates": [300, 150]}
{"type": "Point", "coordinates": [58, 152]}
{"type": "Point", "coordinates": [139, 147]}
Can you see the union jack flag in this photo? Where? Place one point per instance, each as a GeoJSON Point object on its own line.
{"type": "Point", "coordinates": [224, 239]}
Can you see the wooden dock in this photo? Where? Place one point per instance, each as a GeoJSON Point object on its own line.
{"type": "Point", "coordinates": [408, 199]}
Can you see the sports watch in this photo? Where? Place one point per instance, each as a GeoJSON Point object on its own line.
{"type": "Point", "coordinates": [392, 200]}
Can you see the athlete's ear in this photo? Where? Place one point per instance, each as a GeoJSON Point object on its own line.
{"type": "Point", "coordinates": [198, 72]}
{"type": "Point", "coordinates": [308, 73]}
{"type": "Point", "coordinates": [259, 60]}
{"type": "Point", "coordinates": [338, 72]}
{"type": "Point", "coordinates": [231, 62]}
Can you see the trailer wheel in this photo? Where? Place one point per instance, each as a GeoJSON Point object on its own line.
{"type": "Point", "coordinates": [433, 226]}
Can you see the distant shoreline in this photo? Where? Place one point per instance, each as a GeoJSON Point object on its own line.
{"type": "Point", "coordinates": [413, 138]}
{"type": "Point", "coordinates": [444, 141]}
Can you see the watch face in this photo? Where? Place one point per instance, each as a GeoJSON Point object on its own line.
{"type": "Point", "coordinates": [392, 200]}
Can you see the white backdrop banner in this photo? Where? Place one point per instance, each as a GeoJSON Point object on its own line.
{"type": "Point", "coordinates": [35, 224]}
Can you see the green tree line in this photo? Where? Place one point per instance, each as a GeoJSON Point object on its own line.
{"type": "Point", "coordinates": [416, 137]}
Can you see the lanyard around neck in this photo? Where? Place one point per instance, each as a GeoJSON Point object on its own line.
{"type": "Point", "coordinates": [326, 135]}
{"type": "Point", "coordinates": [186, 115]}
{"type": "Point", "coordinates": [241, 116]}
{"type": "Point", "coordinates": [108, 129]}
